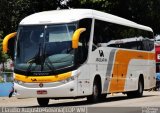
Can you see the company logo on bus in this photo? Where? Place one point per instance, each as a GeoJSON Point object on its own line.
{"type": "Point", "coordinates": [101, 59]}
{"type": "Point", "coordinates": [101, 54]}
{"type": "Point", "coordinates": [41, 85]}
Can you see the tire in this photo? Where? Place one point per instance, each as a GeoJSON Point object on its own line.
{"type": "Point", "coordinates": [95, 97]}
{"type": "Point", "coordinates": [139, 92]}
{"type": "Point", "coordinates": [43, 101]}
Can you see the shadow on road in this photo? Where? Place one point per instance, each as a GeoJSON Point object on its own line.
{"type": "Point", "coordinates": [86, 103]}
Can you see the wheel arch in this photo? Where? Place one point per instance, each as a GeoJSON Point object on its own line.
{"type": "Point", "coordinates": [98, 79]}
{"type": "Point", "coordinates": [141, 77]}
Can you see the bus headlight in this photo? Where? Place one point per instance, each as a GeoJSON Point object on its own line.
{"type": "Point", "coordinates": [70, 79]}
{"type": "Point", "coordinates": [18, 82]}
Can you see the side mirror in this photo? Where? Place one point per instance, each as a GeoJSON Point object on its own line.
{"type": "Point", "coordinates": [5, 43]}
{"type": "Point", "coordinates": [75, 37]}
{"type": "Point", "coordinates": [6, 40]}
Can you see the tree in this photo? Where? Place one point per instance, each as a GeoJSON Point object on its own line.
{"type": "Point", "coordinates": [13, 11]}
{"type": "Point", "coordinates": [3, 56]}
{"type": "Point", "coordinates": [144, 12]}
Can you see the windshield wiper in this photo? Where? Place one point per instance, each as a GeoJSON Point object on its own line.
{"type": "Point", "coordinates": [49, 63]}
{"type": "Point", "coordinates": [39, 59]}
{"type": "Point", "coordinates": [36, 59]}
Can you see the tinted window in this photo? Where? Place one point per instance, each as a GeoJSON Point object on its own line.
{"type": "Point", "coordinates": [114, 35]}
{"type": "Point", "coordinates": [84, 40]}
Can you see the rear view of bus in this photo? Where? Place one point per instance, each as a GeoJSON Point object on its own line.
{"type": "Point", "coordinates": [81, 53]}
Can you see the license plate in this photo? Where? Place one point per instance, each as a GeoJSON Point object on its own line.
{"type": "Point", "coordinates": [41, 92]}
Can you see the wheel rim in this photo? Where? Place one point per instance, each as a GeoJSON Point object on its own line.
{"type": "Point", "coordinates": [140, 88]}
{"type": "Point", "coordinates": [95, 91]}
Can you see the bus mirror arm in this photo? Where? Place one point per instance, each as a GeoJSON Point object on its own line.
{"type": "Point", "coordinates": [75, 37]}
{"type": "Point", "coordinates": [6, 40]}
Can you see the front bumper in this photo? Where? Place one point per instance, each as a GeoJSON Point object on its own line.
{"type": "Point", "coordinates": [64, 90]}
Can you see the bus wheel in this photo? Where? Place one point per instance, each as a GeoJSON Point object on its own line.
{"type": "Point", "coordinates": [43, 101]}
{"type": "Point", "coordinates": [95, 97]}
{"type": "Point", "coordinates": [139, 92]}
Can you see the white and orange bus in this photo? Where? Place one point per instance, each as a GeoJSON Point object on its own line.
{"type": "Point", "coordinates": [81, 53]}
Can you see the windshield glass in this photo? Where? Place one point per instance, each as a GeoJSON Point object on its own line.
{"type": "Point", "coordinates": [44, 48]}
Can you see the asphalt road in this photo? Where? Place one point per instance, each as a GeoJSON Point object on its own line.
{"type": "Point", "coordinates": [116, 103]}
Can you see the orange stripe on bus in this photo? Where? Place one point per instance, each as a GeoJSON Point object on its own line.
{"type": "Point", "coordinates": [120, 67]}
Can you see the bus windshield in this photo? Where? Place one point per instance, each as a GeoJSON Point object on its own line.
{"type": "Point", "coordinates": [44, 48]}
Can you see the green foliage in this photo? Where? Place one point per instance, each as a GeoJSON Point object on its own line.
{"type": "Point", "coordinates": [3, 56]}
{"type": "Point", "coordinates": [144, 12]}
{"type": "Point", "coordinates": [13, 11]}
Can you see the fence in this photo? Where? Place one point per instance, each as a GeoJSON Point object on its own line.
{"type": "Point", "coordinates": [6, 83]}
{"type": "Point", "coordinates": [6, 77]}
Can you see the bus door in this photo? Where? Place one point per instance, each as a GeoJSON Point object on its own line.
{"type": "Point", "coordinates": [119, 72]}
{"type": "Point", "coordinates": [121, 76]}
{"type": "Point", "coordinates": [83, 80]}
{"type": "Point", "coordinates": [113, 79]}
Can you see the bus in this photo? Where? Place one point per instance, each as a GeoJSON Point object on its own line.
{"type": "Point", "coordinates": [76, 53]}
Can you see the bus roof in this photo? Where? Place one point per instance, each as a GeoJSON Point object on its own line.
{"type": "Point", "coordinates": [71, 15]}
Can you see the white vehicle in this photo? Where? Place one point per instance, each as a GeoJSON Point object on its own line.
{"type": "Point", "coordinates": [68, 54]}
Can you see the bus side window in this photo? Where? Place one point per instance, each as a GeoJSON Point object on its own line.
{"type": "Point", "coordinates": [129, 45]}
{"type": "Point", "coordinates": [139, 45]}
{"type": "Point", "coordinates": [100, 33]}
{"type": "Point", "coordinates": [145, 43]}
{"type": "Point", "coordinates": [84, 40]}
{"type": "Point", "coordinates": [151, 45]}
